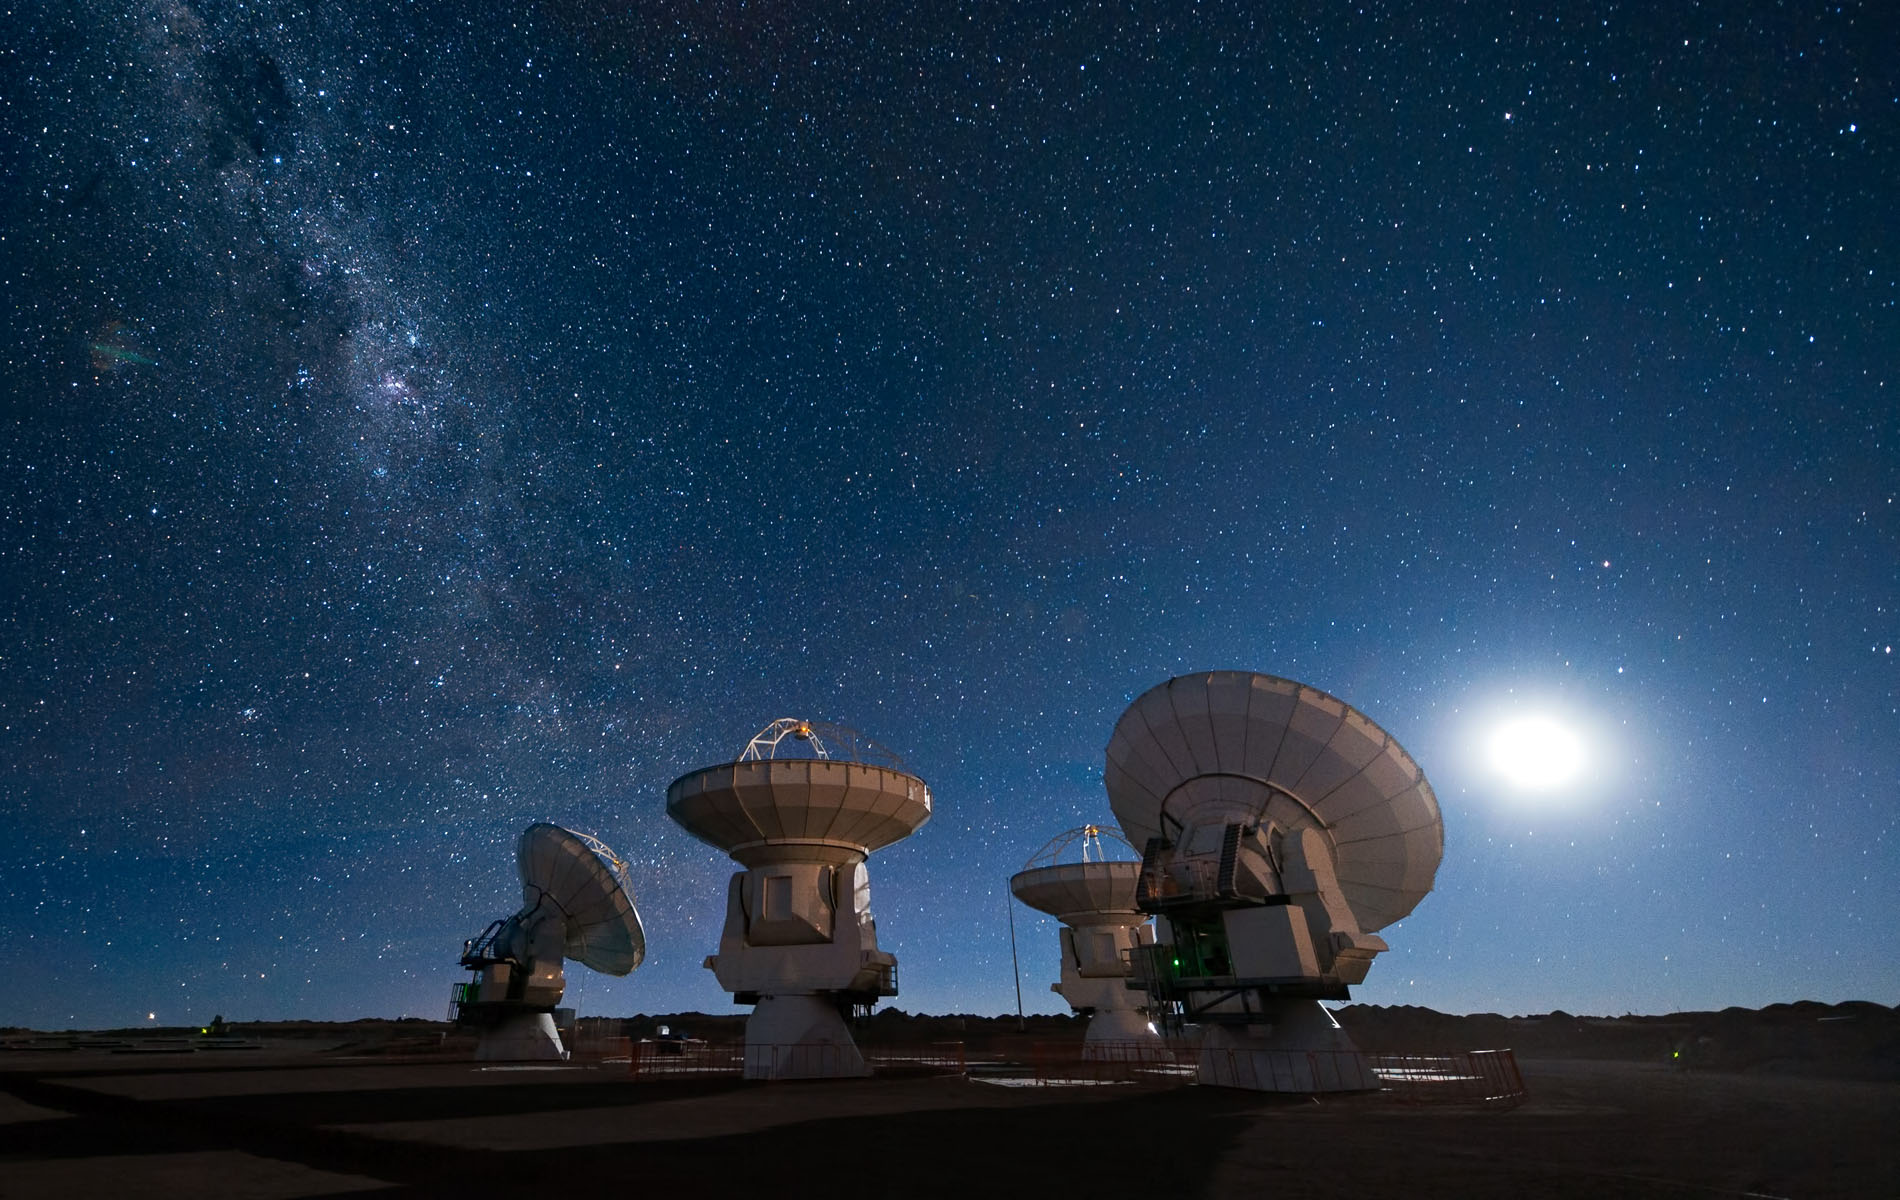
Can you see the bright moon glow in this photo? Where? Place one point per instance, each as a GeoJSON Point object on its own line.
{"type": "Point", "coordinates": [1536, 753]}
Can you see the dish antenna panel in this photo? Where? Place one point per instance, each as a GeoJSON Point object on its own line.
{"type": "Point", "coordinates": [1094, 898]}
{"type": "Point", "coordinates": [576, 903]}
{"type": "Point", "coordinates": [1280, 829]}
{"type": "Point", "coordinates": [800, 810]}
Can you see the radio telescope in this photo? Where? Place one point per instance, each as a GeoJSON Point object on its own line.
{"type": "Point", "coordinates": [800, 810]}
{"type": "Point", "coordinates": [576, 903]}
{"type": "Point", "coordinates": [1280, 830]}
{"type": "Point", "coordinates": [1095, 901]}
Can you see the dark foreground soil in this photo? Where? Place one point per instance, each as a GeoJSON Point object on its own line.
{"type": "Point", "coordinates": [282, 1123]}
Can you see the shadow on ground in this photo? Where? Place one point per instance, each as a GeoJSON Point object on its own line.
{"type": "Point", "coordinates": [975, 1140]}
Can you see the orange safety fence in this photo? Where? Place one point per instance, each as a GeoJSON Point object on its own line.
{"type": "Point", "coordinates": [1468, 1077]}
{"type": "Point", "coordinates": [661, 1058]}
{"type": "Point", "coordinates": [1286, 1070]}
{"type": "Point", "coordinates": [588, 1049]}
{"type": "Point", "coordinates": [936, 1058]}
{"type": "Point", "coordinates": [649, 1058]}
{"type": "Point", "coordinates": [1154, 1063]}
{"type": "Point", "coordinates": [1488, 1077]}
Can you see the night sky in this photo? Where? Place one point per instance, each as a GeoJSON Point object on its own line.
{"type": "Point", "coordinates": [421, 421]}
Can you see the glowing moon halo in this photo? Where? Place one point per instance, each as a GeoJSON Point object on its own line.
{"type": "Point", "coordinates": [1536, 753]}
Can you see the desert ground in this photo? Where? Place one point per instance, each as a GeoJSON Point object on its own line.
{"type": "Point", "coordinates": [1796, 1103]}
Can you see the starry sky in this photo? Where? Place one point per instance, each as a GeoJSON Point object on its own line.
{"type": "Point", "coordinates": [424, 420]}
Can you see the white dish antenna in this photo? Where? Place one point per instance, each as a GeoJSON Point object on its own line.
{"type": "Point", "coordinates": [756, 807]}
{"type": "Point", "coordinates": [1280, 829]}
{"type": "Point", "coordinates": [1227, 747]}
{"type": "Point", "coordinates": [583, 878]}
{"type": "Point", "coordinates": [1072, 879]}
{"type": "Point", "coordinates": [1072, 873]}
{"type": "Point", "coordinates": [800, 810]}
{"type": "Point", "coordinates": [576, 903]}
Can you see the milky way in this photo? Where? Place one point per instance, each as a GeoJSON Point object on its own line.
{"type": "Point", "coordinates": [427, 420]}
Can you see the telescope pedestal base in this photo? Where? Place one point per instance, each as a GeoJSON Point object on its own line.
{"type": "Point", "coordinates": [1296, 1047]}
{"type": "Point", "coordinates": [800, 1037]}
{"type": "Point", "coordinates": [522, 1037]}
{"type": "Point", "coordinates": [1120, 1034]}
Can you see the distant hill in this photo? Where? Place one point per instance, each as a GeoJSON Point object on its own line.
{"type": "Point", "coordinates": [1856, 1040]}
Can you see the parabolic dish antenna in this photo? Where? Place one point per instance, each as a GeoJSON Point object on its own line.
{"type": "Point", "coordinates": [1280, 829]}
{"type": "Point", "coordinates": [1088, 882]}
{"type": "Point", "coordinates": [1238, 747]}
{"type": "Point", "coordinates": [752, 807]}
{"type": "Point", "coordinates": [587, 882]}
{"type": "Point", "coordinates": [801, 810]}
{"type": "Point", "coordinates": [575, 903]}
{"type": "Point", "coordinates": [1073, 879]}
